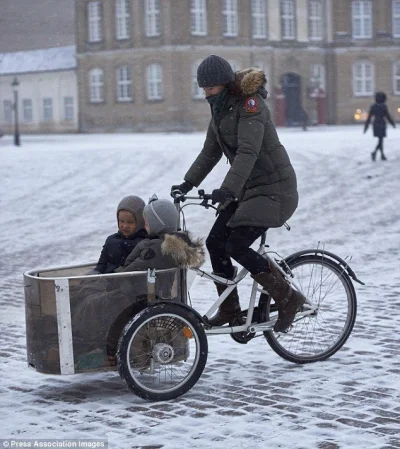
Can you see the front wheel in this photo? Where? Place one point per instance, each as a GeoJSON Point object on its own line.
{"type": "Point", "coordinates": [162, 352]}
{"type": "Point", "coordinates": [328, 317]}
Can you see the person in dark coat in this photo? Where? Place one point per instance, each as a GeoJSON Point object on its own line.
{"type": "Point", "coordinates": [131, 231]}
{"type": "Point", "coordinates": [259, 191]}
{"type": "Point", "coordinates": [380, 112]}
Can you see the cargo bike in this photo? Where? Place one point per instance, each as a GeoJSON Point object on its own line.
{"type": "Point", "coordinates": [156, 340]}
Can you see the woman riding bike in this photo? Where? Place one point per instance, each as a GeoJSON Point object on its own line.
{"type": "Point", "coordinates": [259, 191]}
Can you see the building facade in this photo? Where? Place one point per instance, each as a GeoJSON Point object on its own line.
{"type": "Point", "coordinates": [47, 90]}
{"type": "Point", "coordinates": [137, 59]}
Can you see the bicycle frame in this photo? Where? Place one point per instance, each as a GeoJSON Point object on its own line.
{"type": "Point", "coordinates": [231, 285]}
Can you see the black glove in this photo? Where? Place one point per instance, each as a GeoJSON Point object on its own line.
{"type": "Point", "coordinates": [183, 188]}
{"type": "Point", "coordinates": [221, 196]}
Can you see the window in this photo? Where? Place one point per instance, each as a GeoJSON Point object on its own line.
{"type": "Point", "coordinates": [122, 19]}
{"type": "Point", "coordinates": [47, 109]}
{"type": "Point", "coordinates": [124, 84]}
{"type": "Point", "coordinates": [259, 18]}
{"type": "Point", "coordinates": [7, 109]}
{"type": "Point", "coordinates": [94, 22]}
{"type": "Point", "coordinates": [363, 79]}
{"type": "Point", "coordinates": [230, 18]}
{"type": "Point", "coordinates": [317, 76]}
{"type": "Point", "coordinates": [68, 109]}
{"type": "Point", "coordinates": [264, 67]}
{"type": "Point", "coordinates": [198, 17]}
{"type": "Point", "coordinates": [315, 20]}
{"type": "Point", "coordinates": [96, 83]}
{"type": "Point", "coordinates": [396, 18]}
{"type": "Point", "coordinates": [396, 78]}
{"type": "Point", "coordinates": [288, 19]}
{"type": "Point", "coordinates": [362, 19]}
{"type": "Point", "coordinates": [152, 18]}
{"type": "Point", "coordinates": [154, 76]}
{"type": "Point", "coordinates": [197, 92]}
{"type": "Point", "coordinates": [27, 112]}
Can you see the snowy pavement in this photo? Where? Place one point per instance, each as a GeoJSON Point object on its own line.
{"type": "Point", "coordinates": [58, 200]}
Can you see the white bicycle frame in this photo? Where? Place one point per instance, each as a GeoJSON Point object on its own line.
{"type": "Point", "coordinates": [231, 285]}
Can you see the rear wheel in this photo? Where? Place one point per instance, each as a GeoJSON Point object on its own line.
{"type": "Point", "coordinates": [162, 352]}
{"type": "Point", "coordinates": [331, 306]}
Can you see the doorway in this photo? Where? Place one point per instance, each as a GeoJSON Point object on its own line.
{"type": "Point", "coordinates": [291, 87]}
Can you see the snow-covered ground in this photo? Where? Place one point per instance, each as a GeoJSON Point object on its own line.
{"type": "Point", "coordinates": [57, 205]}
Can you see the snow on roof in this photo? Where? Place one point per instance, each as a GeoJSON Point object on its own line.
{"type": "Point", "coordinates": [47, 59]}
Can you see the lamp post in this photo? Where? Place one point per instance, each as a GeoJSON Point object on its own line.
{"type": "Point", "coordinates": [15, 85]}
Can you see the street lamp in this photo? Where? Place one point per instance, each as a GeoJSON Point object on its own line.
{"type": "Point", "coordinates": [15, 85]}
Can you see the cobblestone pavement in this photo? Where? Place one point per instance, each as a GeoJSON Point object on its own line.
{"type": "Point", "coordinates": [247, 395]}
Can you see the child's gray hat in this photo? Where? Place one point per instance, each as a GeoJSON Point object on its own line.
{"type": "Point", "coordinates": [135, 205]}
{"type": "Point", "coordinates": [161, 216]}
{"type": "Point", "coordinates": [214, 71]}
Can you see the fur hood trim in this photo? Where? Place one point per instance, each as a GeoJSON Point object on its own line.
{"type": "Point", "coordinates": [250, 82]}
{"type": "Point", "coordinates": [186, 251]}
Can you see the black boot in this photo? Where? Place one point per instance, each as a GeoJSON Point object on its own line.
{"type": "Point", "coordinates": [228, 309]}
{"type": "Point", "coordinates": [287, 299]}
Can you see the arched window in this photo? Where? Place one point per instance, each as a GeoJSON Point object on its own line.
{"type": "Point", "coordinates": [96, 85]}
{"type": "Point", "coordinates": [124, 83]}
{"type": "Point", "coordinates": [154, 82]}
{"type": "Point", "coordinates": [122, 21]}
{"type": "Point", "coordinates": [198, 17]}
{"type": "Point", "coordinates": [259, 18]}
{"type": "Point", "coordinates": [396, 78]}
{"type": "Point", "coordinates": [230, 18]}
{"type": "Point", "coordinates": [152, 17]}
{"type": "Point", "coordinates": [363, 78]}
{"type": "Point", "coordinates": [197, 92]}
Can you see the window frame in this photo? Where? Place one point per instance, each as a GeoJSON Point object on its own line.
{"type": "Point", "coordinates": [154, 82]}
{"type": "Point", "coordinates": [122, 20]}
{"type": "Point", "coordinates": [230, 18]}
{"type": "Point", "coordinates": [96, 86]}
{"type": "Point", "coordinates": [318, 72]}
{"type": "Point", "coordinates": [197, 92]}
{"type": "Point", "coordinates": [152, 18]}
{"type": "Point", "coordinates": [396, 77]}
{"type": "Point", "coordinates": [27, 110]}
{"type": "Point", "coordinates": [395, 19]}
{"type": "Point", "coordinates": [94, 21]}
{"type": "Point", "coordinates": [363, 79]}
{"type": "Point", "coordinates": [68, 109]}
{"type": "Point", "coordinates": [198, 18]}
{"type": "Point", "coordinates": [48, 109]}
{"type": "Point", "coordinates": [360, 20]}
{"type": "Point", "coordinates": [288, 20]}
{"type": "Point", "coordinates": [8, 107]}
{"type": "Point", "coordinates": [315, 20]}
{"type": "Point", "coordinates": [124, 84]}
{"type": "Point", "coordinates": [259, 19]}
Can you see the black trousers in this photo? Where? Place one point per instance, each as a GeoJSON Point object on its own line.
{"type": "Point", "coordinates": [225, 242]}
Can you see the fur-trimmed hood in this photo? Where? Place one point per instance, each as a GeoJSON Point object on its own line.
{"type": "Point", "coordinates": [186, 251]}
{"type": "Point", "coordinates": [249, 82]}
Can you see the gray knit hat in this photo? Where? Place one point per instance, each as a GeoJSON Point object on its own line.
{"type": "Point", "coordinates": [135, 205]}
{"type": "Point", "coordinates": [161, 216]}
{"type": "Point", "coordinates": [214, 71]}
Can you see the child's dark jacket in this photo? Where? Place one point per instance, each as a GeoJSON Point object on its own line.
{"type": "Point", "coordinates": [116, 249]}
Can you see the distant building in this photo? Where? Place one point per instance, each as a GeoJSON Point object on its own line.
{"type": "Point", "coordinates": [137, 59]}
{"type": "Point", "coordinates": [47, 93]}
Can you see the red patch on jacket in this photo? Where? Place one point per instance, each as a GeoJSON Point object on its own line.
{"type": "Point", "coordinates": [251, 105]}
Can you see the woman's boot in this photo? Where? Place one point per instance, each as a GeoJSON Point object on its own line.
{"type": "Point", "coordinates": [228, 309]}
{"type": "Point", "coordinates": [287, 299]}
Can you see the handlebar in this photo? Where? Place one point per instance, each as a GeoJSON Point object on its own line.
{"type": "Point", "coordinates": [179, 197]}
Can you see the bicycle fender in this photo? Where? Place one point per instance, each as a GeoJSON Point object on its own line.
{"type": "Point", "coordinates": [183, 306]}
{"type": "Point", "coordinates": [329, 255]}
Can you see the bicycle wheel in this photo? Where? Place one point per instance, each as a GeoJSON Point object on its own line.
{"type": "Point", "coordinates": [332, 299]}
{"type": "Point", "coordinates": [162, 352]}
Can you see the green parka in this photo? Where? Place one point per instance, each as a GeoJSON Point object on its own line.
{"type": "Point", "coordinates": [261, 176]}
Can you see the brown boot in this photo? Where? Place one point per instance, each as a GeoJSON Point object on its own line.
{"type": "Point", "coordinates": [228, 309]}
{"type": "Point", "coordinates": [287, 299]}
